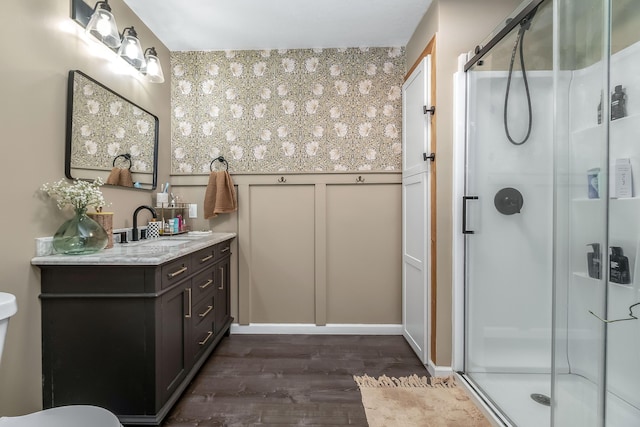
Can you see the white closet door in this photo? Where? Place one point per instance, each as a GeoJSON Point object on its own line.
{"type": "Point", "coordinates": [416, 210]}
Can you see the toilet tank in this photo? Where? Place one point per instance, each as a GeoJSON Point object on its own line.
{"type": "Point", "coordinates": [8, 307]}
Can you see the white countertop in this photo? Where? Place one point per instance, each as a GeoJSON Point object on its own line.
{"type": "Point", "coordinates": [143, 252]}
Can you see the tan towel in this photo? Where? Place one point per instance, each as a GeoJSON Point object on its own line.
{"type": "Point", "coordinates": [114, 176]}
{"type": "Point", "coordinates": [125, 178]}
{"type": "Point", "coordinates": [220, 196]}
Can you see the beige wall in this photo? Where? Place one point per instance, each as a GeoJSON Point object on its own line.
{"type": "Point", "coordinates": [39, 47]}
{"type": "Point", "coordinates": [459, 26]}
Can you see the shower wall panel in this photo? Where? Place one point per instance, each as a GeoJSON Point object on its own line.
{"type": "Point", "coordinates": [510, 268]}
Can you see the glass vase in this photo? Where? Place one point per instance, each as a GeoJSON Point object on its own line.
{"type": "Point", "coordinates": [80, 235]}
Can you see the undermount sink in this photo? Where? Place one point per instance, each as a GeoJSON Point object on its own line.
{"type": "Point", "coordinates": [163, 242]}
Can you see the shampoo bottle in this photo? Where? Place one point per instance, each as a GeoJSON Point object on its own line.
{"type": "Point", "coordinates": [618, 266]}
{"type": "Point", "coordinates": [594, 261]}
{"type": "Point", "coordinates": [618, 103]}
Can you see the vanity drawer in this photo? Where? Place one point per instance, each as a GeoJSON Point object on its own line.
{"type": "Point", "coordinates": [202, 336]}
{"type": "Point", "coordinates": [223, 249]}
{"type": "Point", "coordinates": [204, 257]}
{"type": "Point", "coordinates": [203, 311]}
{"type": "Point", "coordinates": [203, 283]}
{"type": "Point", "coordinates": [175, 271]}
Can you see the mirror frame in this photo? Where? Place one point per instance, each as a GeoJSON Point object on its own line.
{"type": "Point", "coordinates": [69, 135]}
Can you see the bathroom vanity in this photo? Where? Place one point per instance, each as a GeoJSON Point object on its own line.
{"type": "Point", "coordinates": [128, 328]}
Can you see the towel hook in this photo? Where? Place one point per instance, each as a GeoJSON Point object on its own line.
{"type": "Point", "coordinates": [282, 180]}
{"type": "Point", "coordinates": [221, 160]}
{"type": "Point", "coordinates": [359, 179]}
{"type": "Point", "coordinates": [126, 156]}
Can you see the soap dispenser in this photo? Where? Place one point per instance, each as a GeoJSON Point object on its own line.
{"type": "Point", "coordinates": [594, 261]}
{"type": "Point", "coordinates": [618, 266]}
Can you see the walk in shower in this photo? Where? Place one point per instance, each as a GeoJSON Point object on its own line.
{"type": "Point", "coordinates": [549, 219]}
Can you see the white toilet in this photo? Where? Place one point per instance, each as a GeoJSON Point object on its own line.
{"type": "Point", "coordinates": [64, 416]}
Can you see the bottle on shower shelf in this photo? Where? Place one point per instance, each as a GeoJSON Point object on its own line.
{"type": "Point", "coordinates": [600, 110]}
{"type": "Point", "coordinates": [618, 103]}
{"type": "Point", "coordinates": [594, 261]}
{"type": "Point", "coordinates": [619, 266]}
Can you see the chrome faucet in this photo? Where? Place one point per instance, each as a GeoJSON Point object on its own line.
{"type": "Point", "coordinates": [134, 230]}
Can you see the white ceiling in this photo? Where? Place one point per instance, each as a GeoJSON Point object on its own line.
{"type": "Point", "coordinates": [184, 25]}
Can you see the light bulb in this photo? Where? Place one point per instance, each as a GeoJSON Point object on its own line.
{"type": "Point", "coordinates": [104, 25]}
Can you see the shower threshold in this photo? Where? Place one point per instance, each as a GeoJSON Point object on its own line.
{"type": "Point", "coordinates": [511, 394]}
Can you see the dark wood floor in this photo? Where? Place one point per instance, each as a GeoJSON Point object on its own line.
{"type": "Point", "coordinates": [289, 380]}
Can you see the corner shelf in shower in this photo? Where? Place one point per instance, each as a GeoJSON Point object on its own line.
{"type": "Point", "coordinates": [585, 276]}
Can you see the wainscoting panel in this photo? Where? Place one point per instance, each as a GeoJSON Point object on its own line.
{"type": "Point", "coordinates": [312, 249]}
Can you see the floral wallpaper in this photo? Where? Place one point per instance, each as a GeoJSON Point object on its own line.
{"type": "Point", "coordinates": [303, 110]}
{"type": "Point", "coordinates": [105, 125]}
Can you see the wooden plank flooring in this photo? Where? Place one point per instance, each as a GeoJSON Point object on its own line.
{"type": "Point", "coordinates": [289, 380]}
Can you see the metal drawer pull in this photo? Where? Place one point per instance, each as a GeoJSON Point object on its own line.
{"type": "Point", "coordinates": [225, 249]}
{"type": "Point", "coordinates": [207, 258]}
{"type": "Point", "coordinates": [189, 314]}
{"type": "Point", "coordinates": [209, 308]}
{"type": "Point", "coordinates": [177, 273]}
{"type": "Point", "coordinates": [206, 285]}
{"type": "Point", "coordinates": [221, 287]}
{"type": "Point", "coordinates": [204, 341]}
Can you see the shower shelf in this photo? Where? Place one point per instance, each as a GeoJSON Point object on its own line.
{"type": "Point", "coordinates": [583, 275]}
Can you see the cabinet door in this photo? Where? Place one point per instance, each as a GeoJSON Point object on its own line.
{"type": "Point", "coordinates": [416, 121]}
{"type": "Point", "coordinates": [174, 312]}
{"type": "Point", "coordinates": [416, 210]}
{"type": "Point", "coordinates": [222, 297]}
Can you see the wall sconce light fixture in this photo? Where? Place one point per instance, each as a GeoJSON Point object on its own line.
{"type": "Point", "coordinates": [130, 49]}
{"type": "Point", "coordinates": [101, 24]}
{"type": "Point", "coordinates": [153, 70]}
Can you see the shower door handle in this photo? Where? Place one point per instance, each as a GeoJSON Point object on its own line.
{"type": "Point", "coordinates": [464, 214]}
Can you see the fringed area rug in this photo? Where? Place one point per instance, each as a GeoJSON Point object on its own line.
{"type": "Point", "coordinates": [417, 401]}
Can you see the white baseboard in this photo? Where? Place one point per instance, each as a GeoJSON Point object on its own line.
{"type": "Point", "coordinates": [438, 371]}
{"type": "Point", "coordinates": [307, 328]}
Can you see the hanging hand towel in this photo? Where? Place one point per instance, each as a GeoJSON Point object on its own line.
{"type": "Point", "coordinates": [125, 178]}
{"type": "Point", "coordinates": [114, 176]}
{"type": "Point", "coordinates": [220, 196]}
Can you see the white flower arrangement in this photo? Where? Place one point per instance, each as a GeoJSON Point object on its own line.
{"type": "Point", "coordinates": [79, 194]}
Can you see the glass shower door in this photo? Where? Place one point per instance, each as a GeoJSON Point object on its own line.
{"type": "Point", "coordinates": [508, 221]}
{"type": "Point", "coordinates": [596, 347]}
{"type": "Point", "coordinates": [622, 396]}
{"type": "Point", "coordinates": [580, 216]}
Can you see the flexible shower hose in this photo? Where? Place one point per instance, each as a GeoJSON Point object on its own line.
{"type": "Point", "coordinates": [519, 42]}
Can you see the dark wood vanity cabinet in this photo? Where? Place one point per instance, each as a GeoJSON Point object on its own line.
{"type": "Point", "coordinates": [130, 338]}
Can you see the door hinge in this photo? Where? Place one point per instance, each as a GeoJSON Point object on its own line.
{"type": "Point", "coordinates": [431, 110]}
{"type": "Point", "coordinates": [431, 157]}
